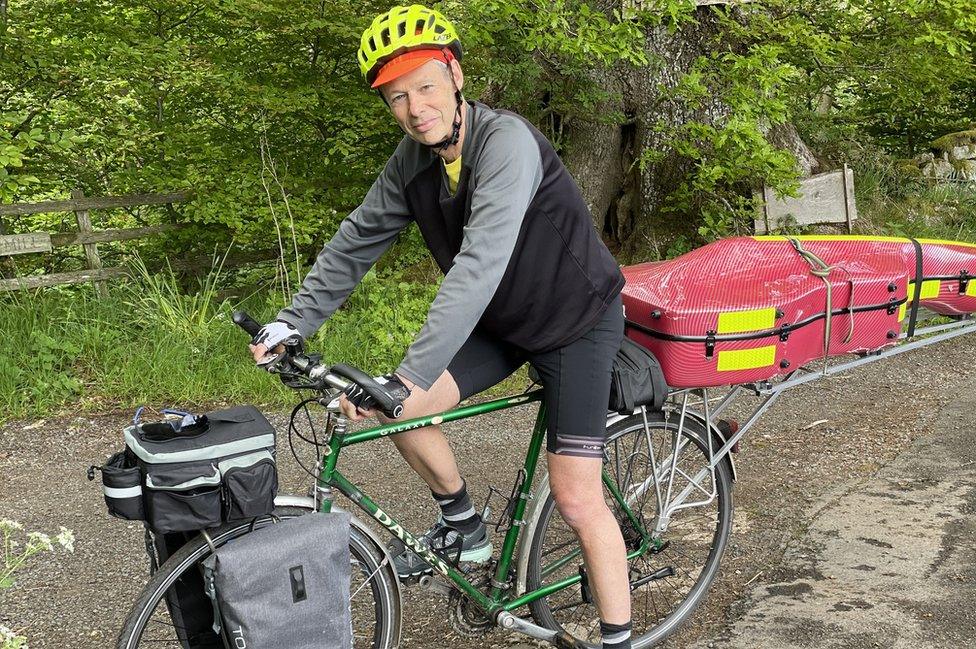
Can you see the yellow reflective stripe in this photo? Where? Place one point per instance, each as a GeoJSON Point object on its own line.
{"type": "Point", "coordinates": [732, 322]}
{"type": "Point", "coordinates": [945, 242]}
{"type": "Point", "coordinates": [902, 310]}
{"type": "Point", "coordinates": [861, 237]}
{"type": "Point", "coordinates": [930, 289]}
{"type": "Point", "coordinates": [746, 359]}
{"type": "Point", "coordinates": [834, 237]}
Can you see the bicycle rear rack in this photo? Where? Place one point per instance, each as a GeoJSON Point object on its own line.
{"type": "Point", "coordinates": [769, 391]}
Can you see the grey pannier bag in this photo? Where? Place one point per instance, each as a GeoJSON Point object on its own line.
{"type": "Point", "coordinates": [284, 585]}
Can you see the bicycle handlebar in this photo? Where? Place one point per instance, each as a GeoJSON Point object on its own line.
{"type": "Point", "coordinates": [331, 376]}
{"type": "Point", "coordinates": [386, 401]}
{"type": "Point", "coordinates": [246, 322]}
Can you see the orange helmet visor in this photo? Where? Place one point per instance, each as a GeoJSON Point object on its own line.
{"type": "Point", "coordinates": [407, 62]}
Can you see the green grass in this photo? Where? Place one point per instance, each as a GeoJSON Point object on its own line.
{"type": "Point", "coordinates": [946, 211]}
{"type": "Point", "coordinates": [151, 344]}
{"type": "Point", "coordinates": [894, 200]}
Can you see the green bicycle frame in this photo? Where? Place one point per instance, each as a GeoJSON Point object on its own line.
{"type": "Point", "coordinates": [497, 598]}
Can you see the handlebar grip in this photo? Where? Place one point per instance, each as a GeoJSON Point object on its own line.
{"type": "Point", "coordinates": [388, 404]}
{"type": "Point", "coordinates": [246, 322]}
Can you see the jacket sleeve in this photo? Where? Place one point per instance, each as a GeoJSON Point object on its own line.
{"type": "Point", "coordinates": [507, 173]}
{"type": "Point", "coordinates": [362, 238]}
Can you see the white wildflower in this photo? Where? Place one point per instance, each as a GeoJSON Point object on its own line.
{"type": "Point", "coordinates": [8, 525]}
{"type": "Point", "coordinates": [40, 540]}
{"type": "Point", "coordinates": [9, 638]}
{"type": "Point", "coordinates": [66, 539]}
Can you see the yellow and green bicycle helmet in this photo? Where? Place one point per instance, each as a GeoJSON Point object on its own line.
{"type": "Point", "coordinates": [399, 31]}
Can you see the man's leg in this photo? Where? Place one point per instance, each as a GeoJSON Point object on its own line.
{"type": "Point", "coordinates": [480, 363]}
{"type": "Point", "coordinates": [578, 490]}
{"type": "Point", "coordinates": [576, 381]}
{"type": "Point", "coordinates": [428, 453]}
{"type": "Point", "coordinates": [426, 449]}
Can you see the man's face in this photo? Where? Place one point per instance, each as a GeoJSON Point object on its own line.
{"type": "Point", "coordinates": [422, 101]}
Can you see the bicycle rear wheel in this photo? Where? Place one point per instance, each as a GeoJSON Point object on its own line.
{"type": "Point", "coordinates": [374, 602]}
{"type": "Point", "coordinates": [667, 585]}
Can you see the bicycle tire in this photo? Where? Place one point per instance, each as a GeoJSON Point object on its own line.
{"type": "Point", "coordinates": [380, 632]}
{"type": "Point", "coordinates": [695, 565]}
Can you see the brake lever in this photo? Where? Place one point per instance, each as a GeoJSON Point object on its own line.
{"type": "Point", "coordinates": [271, 362]}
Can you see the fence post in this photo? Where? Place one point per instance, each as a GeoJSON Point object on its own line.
{"type": "Point", "coordinates": [91, 249]}
{"type": "Point", "coordinates": [848, 198]}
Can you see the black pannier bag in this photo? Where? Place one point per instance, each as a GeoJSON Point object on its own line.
{"type": "Point", "coordinates": [636, 379]}
{"type": "Point", "coordinates": [189, 607]}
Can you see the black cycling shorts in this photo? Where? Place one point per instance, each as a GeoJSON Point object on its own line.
{"type": "Point", "coordinates": [575, 380]}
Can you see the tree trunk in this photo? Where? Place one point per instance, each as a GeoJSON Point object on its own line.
{"type": "Point", "coordinates": [626, 198]}
{"type": "Point", "coordinates": [3, 27]}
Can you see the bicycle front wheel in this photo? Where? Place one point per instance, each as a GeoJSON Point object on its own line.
{"type": "Point", "coordinates": [373, 594]}
{"type": "Point", "coordinates": [667, 582]}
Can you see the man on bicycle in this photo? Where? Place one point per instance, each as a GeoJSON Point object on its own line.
{"type": "Point", "coordinates": [527, 279]}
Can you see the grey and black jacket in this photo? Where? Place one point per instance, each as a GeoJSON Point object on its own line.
{"type": "Point", "coordinates": [521, 257]}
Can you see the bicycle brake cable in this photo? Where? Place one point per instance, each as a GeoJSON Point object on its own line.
{"type": "Point", "coordinates": [292, 429]}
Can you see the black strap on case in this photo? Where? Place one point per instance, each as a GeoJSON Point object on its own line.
{"type": "Point", "coordinates": [917, 287]}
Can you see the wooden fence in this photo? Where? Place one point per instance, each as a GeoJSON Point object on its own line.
{"type": "Point", "coordinates": [86, 237]}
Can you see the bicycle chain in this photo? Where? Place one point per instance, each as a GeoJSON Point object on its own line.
{"type": "Point", "coordinates": [466, 618]}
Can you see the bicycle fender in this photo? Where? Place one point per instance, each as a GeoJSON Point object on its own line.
{"type": "Point", "coordinates": [307, 502]}
{"type": "Point", "coordinates": [717, 438]}
{"type": "Point", "coordinates": [531, 520]}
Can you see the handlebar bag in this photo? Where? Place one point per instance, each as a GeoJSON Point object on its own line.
{"type": "Point", "coordinates": [636, 379]}
{"type": "Point", "coordinates": [284, 585]}
{"type": "Point", "coordinates": [198, 478]}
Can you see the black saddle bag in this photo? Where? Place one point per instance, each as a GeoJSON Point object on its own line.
{"type": "Point", "coordinates": [636, 379]}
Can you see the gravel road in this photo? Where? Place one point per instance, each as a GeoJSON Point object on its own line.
{"type": "Point", "coordinates": [810, 464]}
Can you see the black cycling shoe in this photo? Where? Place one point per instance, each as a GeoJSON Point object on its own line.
{"type": "Point", "coordinates": [475, 548]}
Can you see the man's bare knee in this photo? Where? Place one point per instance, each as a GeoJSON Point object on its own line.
{"type": "Point", "coordinates": [578, 508]}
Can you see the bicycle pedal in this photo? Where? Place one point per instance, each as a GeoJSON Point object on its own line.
{"type": "Point", "coordinates": [414, 580]}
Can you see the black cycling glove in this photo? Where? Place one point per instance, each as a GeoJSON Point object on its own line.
{"type": "Point", "coordinates": [358, 397]}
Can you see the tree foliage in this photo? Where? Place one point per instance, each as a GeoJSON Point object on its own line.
{"type": "Point", "coordinates": [259, 108]}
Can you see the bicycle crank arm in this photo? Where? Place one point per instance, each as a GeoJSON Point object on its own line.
{"type": "Point", "coordinates": [513, 623]}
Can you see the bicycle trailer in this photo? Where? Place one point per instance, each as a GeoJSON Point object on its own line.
{"type": "Point", "coordinates": [745, 309]}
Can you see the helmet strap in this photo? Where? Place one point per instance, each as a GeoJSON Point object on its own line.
{"type": "Point", "coordinates": [455, 135]}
